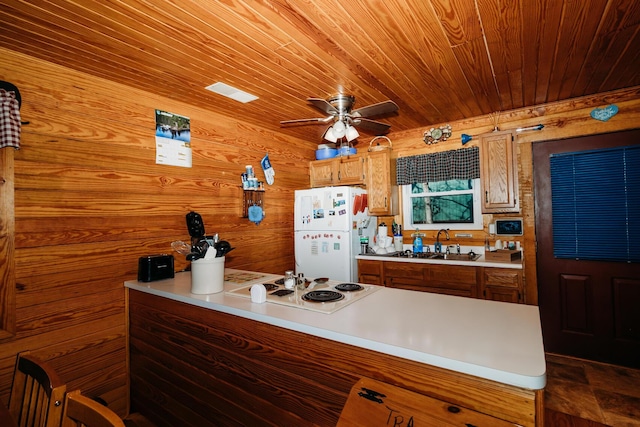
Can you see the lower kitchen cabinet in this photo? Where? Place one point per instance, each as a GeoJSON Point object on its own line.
{"type": "Point", "coordinates": [502, 284]}
{"type": "Point", "coordinates": [370, 272]}
{"type": "Point", "coordinates": [440, 279]}
{"type": "Point", "coordinates": [491, 283]}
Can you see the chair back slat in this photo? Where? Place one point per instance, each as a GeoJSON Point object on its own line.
{"type": "Point", "coordinates": [37, 393]}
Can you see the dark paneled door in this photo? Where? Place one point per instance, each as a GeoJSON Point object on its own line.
{"type": "Point", "coordinates": [589, 309]}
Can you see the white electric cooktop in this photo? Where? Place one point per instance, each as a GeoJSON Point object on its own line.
{"type": "Point", "coordinates": [326, 297]}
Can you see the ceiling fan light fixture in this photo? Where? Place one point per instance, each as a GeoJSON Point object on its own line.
{"type": "Point", "coordinates": [339, 129]}
{"type": "Point", "coordinates": [330, 135]}
{"type": "Point", "coordinates": [351, 133]}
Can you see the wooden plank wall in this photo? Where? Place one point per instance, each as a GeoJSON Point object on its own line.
{"type": "Point", "coordinates": [561, 120]}
{"type": "Point", "coordinates": [90, 200]}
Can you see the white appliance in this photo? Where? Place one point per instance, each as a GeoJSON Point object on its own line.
{"type": "Point", "coordinates": [328, 225]}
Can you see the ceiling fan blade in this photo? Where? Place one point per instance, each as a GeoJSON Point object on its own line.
{"type": "Point", "coordinates": [376, 109]}
{"type": "Point", "coordinates": [306, 121]}
{"type": "Point", "coordinates": [377, 128]}
{"type": "Point", "coordinates": [323, 105]}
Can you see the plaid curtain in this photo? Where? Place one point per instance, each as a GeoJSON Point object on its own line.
{"type": "Point", "coordinates": [9, 120]}
{"type": "Point", "coordinates": [442, 166]}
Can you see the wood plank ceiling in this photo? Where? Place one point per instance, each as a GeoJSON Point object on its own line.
{"type": "Point", "coordinates": [439, 60]}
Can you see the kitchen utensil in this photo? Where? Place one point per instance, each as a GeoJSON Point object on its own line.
{"type": "Point", "coordinates": [210, 254]}
{"type": "Point", "coordinates": [195, 225]}
{"type": "Point", "coordinates": [222, 248]}
{"type": "Point", "coordinates": [181, 247]}
{"type": "Point", "coordinates": [193, 256]}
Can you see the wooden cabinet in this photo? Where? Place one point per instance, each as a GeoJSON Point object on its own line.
{"type": "Point", "coordinates": [491, 283]}
{"type": "Point", "coordinates": [404, 275]}
{"type": "Point", "coordinates": [499, 173]}
{"type": "Point", "coordinates": [370, 272]}
{"type": "Point", "coordinates": [349, 170]}
{"type": "Point", "coordinates": [453, 280]}
{"type": "Point", "coordinates": [375, 170]}
{"type": "Point", "coordinates": [502, 284]}
{"type": "Point", "coordinates": [322, 172]}
{"type": "Point", "coordinates": [437, 278]}
{"type": "Point", "coordinates": [382, 191]}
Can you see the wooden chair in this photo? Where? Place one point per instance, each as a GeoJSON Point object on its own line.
{"type": "Point", "coordinates": [80, 411]}
{"type": "Point", "coordinates": [37, 393]}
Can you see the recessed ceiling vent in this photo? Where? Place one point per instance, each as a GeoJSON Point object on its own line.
{"type": "Point", "coordinates": [231, 92]}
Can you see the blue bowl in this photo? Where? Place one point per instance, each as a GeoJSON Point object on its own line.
{"type": "Point", "coordinates": [326, 153]}
{"type": "Point", "coordinates": [347, 151]}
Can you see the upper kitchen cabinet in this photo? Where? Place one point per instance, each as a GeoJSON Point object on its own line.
{"type": "Point", "coordinates": [349, 170]}
{"type": "Point", "coordinates": [499, 172]}
{"type": "Point", "coordinates": [382, 191]}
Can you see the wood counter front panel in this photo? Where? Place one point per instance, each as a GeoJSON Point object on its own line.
{"type": "Point", "coordinates": [197, 367]}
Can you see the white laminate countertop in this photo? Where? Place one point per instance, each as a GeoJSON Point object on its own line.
{"type": "Point", "coordinates": [493, 340]}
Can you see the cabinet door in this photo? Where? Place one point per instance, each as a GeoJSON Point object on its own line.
{"type": "Point", "coordinates": [322, 173]}
{"type": "Point", "coordinates": [502, 284]}
{"type": "Point", "coordinates": [499, 173]}
{"type": "Point", "coordinates": [382, 191]}
{"type": "Point", "coordinates": [370, 272]}
{"type": "Point", "coordinates": [453, 280]}
{"type": "Point", "coordinates": [351, 170]}
{"type": "Point", "coordinates": [404, 275]}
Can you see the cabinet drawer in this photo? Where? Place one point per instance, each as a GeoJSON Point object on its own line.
{"type": "Point", "coordinates": [502, 277]}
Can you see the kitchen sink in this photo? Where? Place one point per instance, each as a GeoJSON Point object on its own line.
{"type": "Point", "coordinates": [456, 257]}
{"type": "Point", "coordinates": [427, 255]}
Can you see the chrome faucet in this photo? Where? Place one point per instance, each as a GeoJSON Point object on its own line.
{"type": "Point", "coordinates": [438, 245]}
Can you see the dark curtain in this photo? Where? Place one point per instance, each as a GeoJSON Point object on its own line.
{"type": "Point", "coordinates": [442, 166]}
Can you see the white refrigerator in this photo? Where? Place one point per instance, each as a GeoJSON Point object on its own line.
{"type": "Point", "coordinates": [328, 225]}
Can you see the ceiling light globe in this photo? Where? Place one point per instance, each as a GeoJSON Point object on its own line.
{"type": "Point", "coordinates": [339, 129]}
{"type": "Point", "coordinates": [351, 133]}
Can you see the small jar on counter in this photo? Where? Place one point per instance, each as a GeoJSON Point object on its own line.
{"type": "Point", "coordinates": [289, 279]}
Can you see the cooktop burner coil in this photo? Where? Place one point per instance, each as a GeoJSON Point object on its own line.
{"type": "Point", "coordinates": [322, 296]}
{"type": "Point", "coordinates": [348, 287]}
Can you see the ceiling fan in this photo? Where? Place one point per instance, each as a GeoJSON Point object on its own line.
{"type": "Point", "coordinates": [344, 119]}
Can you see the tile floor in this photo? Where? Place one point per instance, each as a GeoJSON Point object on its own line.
{"type": "Point", "coordinates": [594, 391]}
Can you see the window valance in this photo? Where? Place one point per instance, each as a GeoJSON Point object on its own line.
{"type": "Point", "coordinates": [442, 166]}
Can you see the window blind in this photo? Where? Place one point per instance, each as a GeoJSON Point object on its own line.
{"type": "Point", "coordinates": [596, 204]}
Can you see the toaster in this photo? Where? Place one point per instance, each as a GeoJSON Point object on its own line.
{"type": "Point", "coordinates": [155, 267]}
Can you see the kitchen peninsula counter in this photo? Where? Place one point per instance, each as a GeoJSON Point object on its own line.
{"type": "Point", "coordinates": [466, 343]}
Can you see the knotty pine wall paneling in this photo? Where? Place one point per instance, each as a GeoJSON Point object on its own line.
{"type": "Point", "coordinates": [90, 200]}
{"type": "Point", "coordinates": [560, 119]}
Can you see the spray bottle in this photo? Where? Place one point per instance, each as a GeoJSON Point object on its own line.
{"type": "Point", "coordinates": [417, 242]}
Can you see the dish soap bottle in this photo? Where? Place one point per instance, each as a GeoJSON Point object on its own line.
{"type": "Point", "coordinates": [417, 242]}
